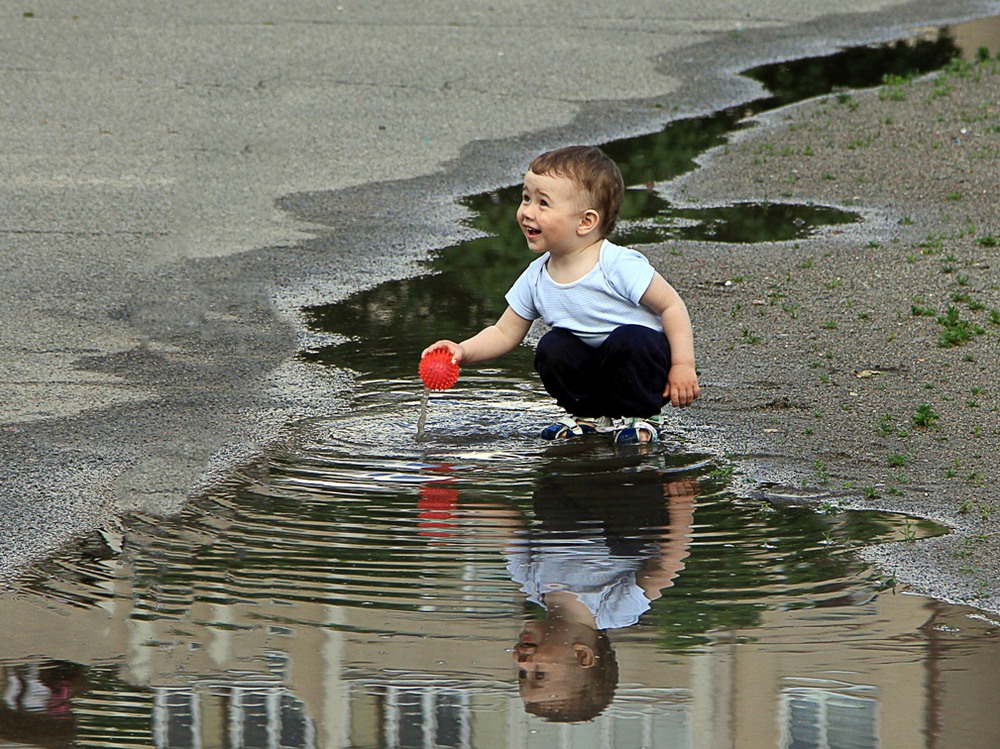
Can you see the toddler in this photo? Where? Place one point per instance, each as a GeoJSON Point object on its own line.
{"type": "Point", "coordinates": [620, 345]}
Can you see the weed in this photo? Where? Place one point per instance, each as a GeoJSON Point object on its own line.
{"type": "Point", "coordinates": [896, 460]}
{"type": "Point", "coordinates": [956, 331]}
{"type": "Point", "coordinates": [886, 425]}
{"type": "Point", "coordinates": [893, 90]}
{"type": "Point", "coordinates": [919, 311]}
{"type": "Point", "coordinates": [988, 241]}
{"type": "Point", "coordinates": [721, 473]}
{"type": "Point", "coordinates": [822, 475]}
{"type": "Point", "coordinates": [925, 416]}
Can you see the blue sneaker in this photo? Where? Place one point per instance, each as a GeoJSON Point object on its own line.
{"type": "Point", "coordinates": [577, 426]}
{"type": "Point", "coordinates": [638, 431]}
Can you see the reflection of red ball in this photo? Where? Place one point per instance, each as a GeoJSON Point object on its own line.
{"type": "Point", "coordinates": [437, 370]}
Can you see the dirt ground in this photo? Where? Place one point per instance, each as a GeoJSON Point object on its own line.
{"type": "Point", "coordinates": [861, 367]}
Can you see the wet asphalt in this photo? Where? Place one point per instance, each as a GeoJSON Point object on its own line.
{"type": "Point", "coordinates": [178, 179]}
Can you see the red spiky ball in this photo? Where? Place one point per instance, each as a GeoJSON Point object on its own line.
{"type": "Point", "coordinates": [437, 370]}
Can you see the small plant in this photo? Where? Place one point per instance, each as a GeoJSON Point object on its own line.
{"type": "Point", "coordinates": [925, 416]}
{"type": "Point", "coordinates": [988, 241]}
{"type": "Point", "coordinates": [896, 460]}
{"type": "Point", "coordinates": [821, 473]}
{"type": "Point", "coordinates": [886, 425]}
{"type": "Point", "coordinates": [956, 331]}
{"type": "Point", "coordinates": [721, 473]}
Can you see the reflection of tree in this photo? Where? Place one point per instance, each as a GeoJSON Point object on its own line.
{"type": "Point", "coordinates": [859, 67]}
{"type": "Point", "coordinates": [759, 555]}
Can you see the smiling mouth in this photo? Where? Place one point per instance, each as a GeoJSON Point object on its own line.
{"type": "Point", "coordinates": [532, 232]}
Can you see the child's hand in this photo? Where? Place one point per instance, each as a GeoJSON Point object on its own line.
{"type": "Point", "coordinates": [682, 385]}
{"type": "Point", "coordinates": [454, 348]}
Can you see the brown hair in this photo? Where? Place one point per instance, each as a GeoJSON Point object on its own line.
{"type": "Point", "coordinates": [594, 172]}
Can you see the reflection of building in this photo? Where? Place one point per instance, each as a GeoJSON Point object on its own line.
{"type": "Point", "coordinates": [335, 678]}
{"type": "Point", "coordinates": [297, 616]}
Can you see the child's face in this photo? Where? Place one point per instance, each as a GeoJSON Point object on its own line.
{"type": "Point", "coordinates": [551, 214]}
{"type": "Point", "coordinates": [552, 663]}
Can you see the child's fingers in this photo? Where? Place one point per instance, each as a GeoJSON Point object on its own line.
{"type": "Point", "coordinates": [682, 396]}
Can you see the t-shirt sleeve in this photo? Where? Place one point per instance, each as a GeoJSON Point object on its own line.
{"type": "Point", "coordinates": [521, 297]}
{"type": "Point", "coordinates": [630, 273]}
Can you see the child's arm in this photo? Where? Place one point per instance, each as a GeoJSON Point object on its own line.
{"type": "Point", "coordinates": [489, 343]}
{"type": "Point", "coordinates": [675, 545]}
{"type": "Point", "coordinates": [682, 381]}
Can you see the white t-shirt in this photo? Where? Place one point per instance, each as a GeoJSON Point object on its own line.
{"type": "Point", "coordinates": [593, 306]}
{"type": "Point", "coordinates": [604, 582]}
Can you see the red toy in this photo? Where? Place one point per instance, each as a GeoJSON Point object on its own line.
{"type": "Point", "coordinates": [437, 370]}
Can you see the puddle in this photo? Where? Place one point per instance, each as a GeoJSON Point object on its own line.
{"type": "Point", "coordinates": [362, 589]}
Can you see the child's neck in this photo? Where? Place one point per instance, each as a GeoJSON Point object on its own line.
{"type": "Point", "coordinates": [574, 264]}
{"type": "Point", "coordinates": [561, 604]}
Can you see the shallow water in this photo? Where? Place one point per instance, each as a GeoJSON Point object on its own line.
{"type": "Point", "coordinates": [362, 588]}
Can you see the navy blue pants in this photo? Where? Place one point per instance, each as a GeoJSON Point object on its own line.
{"type": "Point", "coordinates": [624, 376]}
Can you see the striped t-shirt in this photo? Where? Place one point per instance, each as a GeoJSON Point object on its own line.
{"type": "Point", "coordinates": [594, 305]}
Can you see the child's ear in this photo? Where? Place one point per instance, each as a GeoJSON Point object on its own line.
{"type": "Point", "coordinates": [584, 655]}
{"type": "Point", "coordinates": [590, 220]}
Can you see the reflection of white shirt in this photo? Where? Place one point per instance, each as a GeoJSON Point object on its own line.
{"type": "Point", "coordinates": [27, 692]}
{"type": "Point", "coordinates": [593, 306]}
{"type": "Point", "coordinates": [604, 583]}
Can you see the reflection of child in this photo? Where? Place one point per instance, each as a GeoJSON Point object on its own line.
{"type": "Point", "coordinates": [621, 345]}
{"type": "Point", "coordinates": [590, 581]}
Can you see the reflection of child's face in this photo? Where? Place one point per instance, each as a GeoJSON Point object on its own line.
{"type": "Point", "coordinates": [553, 661]}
